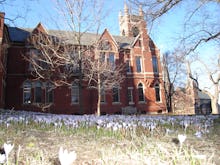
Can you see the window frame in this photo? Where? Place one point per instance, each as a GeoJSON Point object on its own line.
{"type": "Point", "coordinates": [138, 61]}
{"type": "Point", "coordinates": [128, 66]}
{"type": "Point", "coordinates": [115, 94]}
{"type": "Point", "coordinates": [111, 59]}
{"type": "Point", "coordinates": [25, 91]}
{"type": "Point", "coordinates": [157, 92]}
{"type": "Point", "coordinates": [75, 87]}
{"type": "Point", "coordinates": [141, 96]}
{"type": "Point", "coordinates": [130, 96]}
{"type": "Point", "coordinates": [38, 92]}
{"type": "Point", "coordinates": [103, 96]}
{"type": "Point", "coordinates": [49, 93]}
{"type": "Point", "coordinates": [155, 64]}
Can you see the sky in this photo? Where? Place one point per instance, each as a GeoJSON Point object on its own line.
{"type": "Point", "coordinates": [34, 11]}
{"type": "Point", "coordinates": [164, 32]}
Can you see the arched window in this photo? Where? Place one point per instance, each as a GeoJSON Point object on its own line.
{"type": "Point", "coordinates": [157, 92]}
{"type": "Point", "coordinates": [140, 92]}
{"type": "Point", "coordinates": [27, 92]}
{"type": "Point", "coordinates": [49, 93]}
{"type": "Point", "coordinates": [75, 93]}
{"type": "Point", "coordinates": [38, 92]}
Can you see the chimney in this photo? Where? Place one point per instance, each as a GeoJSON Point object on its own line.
{"type": "Point", "coordinates": [2, 17]}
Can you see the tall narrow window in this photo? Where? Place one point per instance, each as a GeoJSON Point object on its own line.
{"type": "Point", "coordinates": [102, 57]}
{"type": "Point", "coordinates": [130, 95]}
{"type": "Point", "coordinates": [140, 92]}
{"type": "Point", "coordinates": [138, 64]}
{"type": "Point", "coordinates": [102, 95]}
{"type": "Point", "coordinates": [75, 94]}
{"type": "Point", "coordinates": [38, 92]}
{"type": "Point", "coordinates": [27, 92]}
{"type": "Point", "coordinates": [111, 59]}
{"type": "Point", "coordinates": [115, 94]}
{"type": "Point", "coordinates": [155, 64]}
{"type": "Point", "coordinates": [49, 93]}
{"type": "Point", "coordinates": [157, 92]}
{"type": "Point", "coordinates": [128, 66]}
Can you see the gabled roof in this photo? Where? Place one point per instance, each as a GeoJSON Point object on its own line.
{"type": "Point", "coordinates": [17, 34]}
{"type": "Point", "coordinates": [106, 32]}
{"type": "Point", "coordinates": [21, 34]}
{"type": "Point", "coordinates": [123, 41]}
{"type": "Point", "coordinates": [203, 95]}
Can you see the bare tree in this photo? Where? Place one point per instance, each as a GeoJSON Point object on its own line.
{"type": "Point", "coordinates": [75, 55]}
{"type": "Point", "coordinates": [77, 17]}
{"type": "Point", "coordinates": [52, 59]}
{"type": "Point", "coordinates": [6, 5]}
{"type": "Point", "coordinates": [213, 74]}
{"type": "Point", "coordinates": [103, 73]}
{"type": "Point", "coordinates": [201, 23]}
{"type": "Point", "coordinates": [80, 16]}
{"type": "Point", "coordinates": [172, 73]}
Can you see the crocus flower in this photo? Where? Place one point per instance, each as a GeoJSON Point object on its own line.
{"type": "Point", "coordinates": [7, 149]}
{"type": "Point", "coordinates": [65, 157]}
{"type": "Point", "coordinates": [2, 156]}
{"type": "Point", "coordinates": [181, 139]}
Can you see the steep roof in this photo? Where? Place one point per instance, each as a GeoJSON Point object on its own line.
{"type": "Point", "coordinates": [17, 34]}
{"type": "Point", "coordinates": [20, 35]}
{"type": "Point", "coordinates": [203, 95]}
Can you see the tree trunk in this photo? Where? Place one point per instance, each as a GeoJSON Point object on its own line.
{"type": "Point", "coordinates": [214, 100]}
{"type": "Point", "coordinates": [99, 92]}
{"type": "Point", "coordinates": [99, 97]}
{"type": "Point", "coordinates": [214, 105]}
{"type": "Point", "coordinates": [80, 84]}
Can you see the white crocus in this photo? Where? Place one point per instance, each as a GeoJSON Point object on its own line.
{"type": "Point", "coordinates": [7, 149]}
{"type": "Point", "coordinates": [2, 158]}
{"type": "Point", "coordinates": [65, 157]}
{"type": "Point", "coordinates": [181, 139]}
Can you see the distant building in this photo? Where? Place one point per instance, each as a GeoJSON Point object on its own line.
{"type": "Point", "coordinates": [203, 103]}
{"type": "Point", "coordinates": [191, 100]}
{"type": "Point", "coordinates": [142, 88]}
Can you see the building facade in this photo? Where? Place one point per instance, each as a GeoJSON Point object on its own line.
{"type": "Point", "coordinates": [141, 89]}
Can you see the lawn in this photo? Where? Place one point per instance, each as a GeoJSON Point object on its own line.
{"type": "Point", "coordinates": [108, 140]}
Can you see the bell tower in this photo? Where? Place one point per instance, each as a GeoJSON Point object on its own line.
{"type": "Point", "coordinates": [131, 25]}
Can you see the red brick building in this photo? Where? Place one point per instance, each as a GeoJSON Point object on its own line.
{"type": "Point", "coordinates": [142, 87]}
